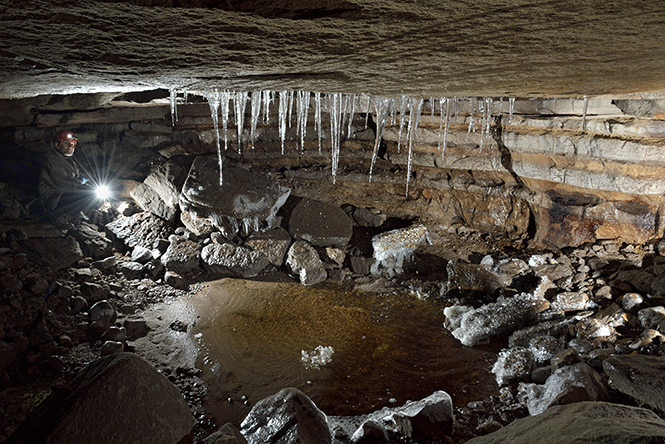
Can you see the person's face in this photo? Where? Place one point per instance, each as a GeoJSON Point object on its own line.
{"type": "Point", "coordinates": [67, 147]}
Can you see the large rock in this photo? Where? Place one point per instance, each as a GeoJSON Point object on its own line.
{"type": "Point", "coordinates": [320, 224]}
{"type": "Point", "coordinates": [640, 377]}
{"type": "Point", "coordinates": [233, 260]}
{"type": "Point", "coordinates": [582, 423]}
{"type": "Point", "coordinates": [473, 326]}
{"type": "Point", "coordinates": [116, 399]}
{"type": "Point", "coordinates": [201, 226]}
{"type": "Point", "coordinates": [513, 364]}
{"type": "Point", "coordinates": [393, 248]}
{"type": "Point", "coordinates": [466, 277]}
{"type": "Point", "coordinates": [273, 244]}
{"type": "Point", "coordinates": [149, 200]}
{"type": "Point", "coordinates": [182, 255]}
{"type": "Point", "coordinates": [288, 417]}
{"type": "Point", "coordinates": [227, 434]}
{"type": "Point", "coordinates": [573, 383]}
{"type": "Point", "coordinates": [93, 242]}
{"type": "Point", "coordinates": [55, 252]}
{"type": "Point", "coordinates": [167, 180]}
{"type": "Point", "coordinates": [243, 195]}
{"type": "Point", "coordinates": [142, 229]}
{"type": "Point", "coordinates": [304, 261]}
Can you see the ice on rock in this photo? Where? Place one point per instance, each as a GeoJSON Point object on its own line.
{"type": "Point", "coordinates": [317, 358]}
{"type": "Point", "coordinates": [501, 317]}
{"type": "Point", "coordinates": [513, 364]}
{"type": "Point", "coordinates": [545, 348]}
{"type": "Point", "coordinates": [394, 248]}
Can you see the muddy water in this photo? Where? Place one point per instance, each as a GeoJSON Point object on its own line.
{"type": "Point", "coordinates": [386, 349]}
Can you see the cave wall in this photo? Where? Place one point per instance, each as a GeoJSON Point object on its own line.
{"type": "Point", "coordinates": [561, 176]}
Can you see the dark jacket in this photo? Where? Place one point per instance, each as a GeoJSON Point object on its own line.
{"type": "Point", "coordinates": [59, 175]}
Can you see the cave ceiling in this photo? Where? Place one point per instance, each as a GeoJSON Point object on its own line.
{"type": "Point", "coordinates": [382, 47]}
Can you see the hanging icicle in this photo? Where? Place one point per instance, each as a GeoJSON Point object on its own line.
{"type": "Point", "coordinates": [586, 107]}
{"type": "Point", "coordinates": [303, 98]}
{"type": "Point", "coordinates": [415, 108]}
{"type": "Point", "coordinates": [353, 109]}
{"type": "Point", "coordinates": [240, 102]}
{"type": "Point", "coordinates": [214, 102]}
{"type": "Point", "coordinates": [224, 106]}
{"type": "Point", "coordinates": [511, 102]}
{"type": "Point", "coordinates": [317, 116]}
{"type": "Point", "coordinates": [382, 107]}
{"type": "Point", "coordinates": [335, 110]}
{"type": "Point", "coordinates": [291, 101]}
{"type": "Point", "coordinates": [283, 114]}
{"type": "Point", "coordinates": [402, 119]}
{"type": "Point", "coordinates": [256, 110]}
{"type": "Point", "coordinates": [267, 98]}
{"type": "Point", "coordinates": [174, 110]}
{"type": "Point", "coordinates": [446, 125]}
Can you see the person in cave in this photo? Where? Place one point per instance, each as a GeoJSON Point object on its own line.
{"type": "Point", "coordinates": [62, 190]}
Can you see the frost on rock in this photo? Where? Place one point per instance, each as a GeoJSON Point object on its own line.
{"type": "Point", "coordinates": [317, 358]}
{"type": "Point", "coordinates": [501, 317]}
{"type": "Point", "coordinates": [393, 249]}
{"type": "Point", "coordinates": [573, 383]}
{"type": "Point", "coordinates": [513, 364]}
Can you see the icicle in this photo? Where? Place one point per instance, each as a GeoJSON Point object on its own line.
{"type": "Point", "coordinates": [335, 109]}
{"type": "Point", "coordinates": [303, 109]}
{"type": "Point", "coordinates": [511, 101]}
{"type": "Point", "coordinates": [446, 125]}
{"type": "Point", "coordinates": [472, 106]}
{"type": "Point", "coordinates": [267, 98]}
{"type": "Point", "coordinates": [240, 105]}
{"type": "Point", "coordinates": [382, 108]}
{"type": "Point", "coordinates": [317, 116]}
{"type": "Point", "coordinates": [214, 102]}
{"type": "Point", "coordinates": [487, 119]}
{"type": "Point", "coordinates": [415, 107]}
{"type": "Point", "coordinates": [369, 105]}
{"type": "Point", "coordinates": [586, 107]}
{"type": "Point", "coordinates": [393, 112]}
{"type": "Point", "coordinates": [256, 110]}
{"type": "Point", "coordinates": [402, 117]}
{"type": "Point", "coordinates": [283, 112]}
{"type": "Point", "coordinates": [225, 97]}
{"type": "Point", "coordinates": [174, 110]}
{"type": "Point", "coordinates": [432, 105]}
{"type": "Point", "coordinates": [353, 109]}
{"type": "Point", "coordinates": [290, 108]}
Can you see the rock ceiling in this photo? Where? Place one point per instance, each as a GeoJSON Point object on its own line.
{"type": "Point", "coordinates": [385, 47]}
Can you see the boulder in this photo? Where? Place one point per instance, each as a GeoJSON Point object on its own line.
{"type": "Point", "coordinates": [201, 226]}
{"type": "Point", "coordinates": [167, 180]}
{"type": "Point", "coordinates": [227, 434]}
{"type": "Point", "coordinates": [272, 243]}
{"type": "Point", "coordinates": [640, 377]}
{"type": "Point", "coordinates": [131, 270]}
{"type": "Point", "coordinates": [102, 316]}
{"type": "Point", "coordinates": [142, 255]}
{"type": "Point", "coordinates": [56, 252]}
{"type": "Point", "coordinates": [142, 229]}
{"type": "Point", "coordinates": [472, 277]}
{"type": "Point", "coordinates": [473, 326]}
{"type": "Point", "coordinates": [513, 364]}
{"type": "Point", "coordinates": [93, 243]}
{"type": "Point", "coordinates": [370, 432]}
{"type": "Point", "coordinates": [182, 255]}
{"type": "Point", "coordinates": [233, 260]}
{"type": "Point", "coordinates": [304, 261]}
{"type": "Point", "coordinates": [320, 224]}
{"type": "Point", "coordinates": [242, 196]}
{"type": "Point", "coordinates": [573, 383]}
{"type": "Point", "coordinates": [149, 200]}
{"type": "Point", "coordinates": [368, 218]}
{"type": "Point", "coordinates": [116, 399]}
{"type": "Point", "coordinates": [393, 248]}
{"type": "Point", "coordinates": [288, 417]}
{"type": "Point", "coordinates": [582, 423]}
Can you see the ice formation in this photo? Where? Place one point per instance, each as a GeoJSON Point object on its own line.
{"type": "Point", "coordinates": [404, 115]}
{"type": "Point", "coordinates": [393, 249]}
{"type": "Point", "coordinates": [513, 364]}
{"type": "Point", "coordinates": [317, 358]}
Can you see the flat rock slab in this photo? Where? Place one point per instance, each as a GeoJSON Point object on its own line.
{"type": "Point", "coordinates": [320, 224]}
{"type": "Point", "coordinates": [142, 229]}
{"type": "Point", "coordinates": [56, 252]}
{"type": "Point", "coordinates": [582, 423]}
{"type": "Point", "coordinates": [243, 195]}
{"type": "Point", "coordinates": [640, 377]}
{"type": "Point", "coordinates": [118, 398]}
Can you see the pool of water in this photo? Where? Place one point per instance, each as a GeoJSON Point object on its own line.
{"type": "Point", "coordinates": [255, 338]}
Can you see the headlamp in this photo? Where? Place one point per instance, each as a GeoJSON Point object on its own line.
{"type": "Point", "coordinates": [102, 192]}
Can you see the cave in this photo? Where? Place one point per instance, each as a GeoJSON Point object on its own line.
{"type": "Point", "coordinates": [336, 221]}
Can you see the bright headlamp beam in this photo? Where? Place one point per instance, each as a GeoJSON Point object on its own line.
{"type": "Point", "coordinates": [102, 192]}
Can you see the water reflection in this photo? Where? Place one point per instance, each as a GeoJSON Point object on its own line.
{"type": "Point", "coordinates": [385, 349]}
